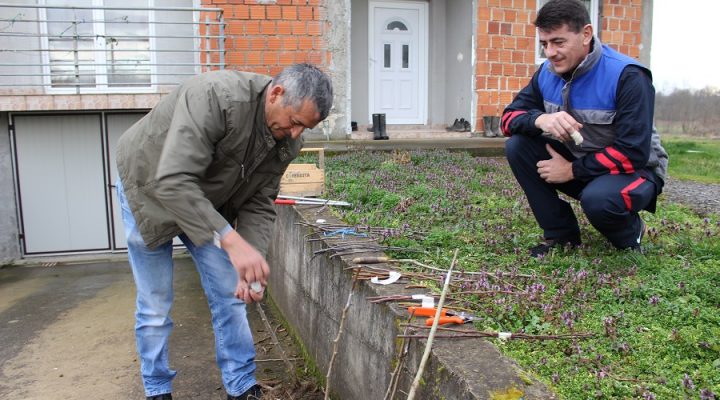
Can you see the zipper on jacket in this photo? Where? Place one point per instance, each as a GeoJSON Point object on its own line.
{"type": "Point", "coordinates": [242, 171]}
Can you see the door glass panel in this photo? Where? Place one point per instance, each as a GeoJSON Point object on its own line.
{"type": "Point", "coordinates": [396, 26]}
{"type": "Point", "coordinates": [405, 56]}
{"type": "Point", "coordinates": [386, 57]}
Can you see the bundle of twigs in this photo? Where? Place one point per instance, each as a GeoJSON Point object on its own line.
{"type": "Point", "coordinates": [454, 333]}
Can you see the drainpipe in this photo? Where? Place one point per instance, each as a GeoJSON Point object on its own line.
{"type": "Point", "coordinates": [646, 32]}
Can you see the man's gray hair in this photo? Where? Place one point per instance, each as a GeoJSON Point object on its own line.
{"type": "Point", "coordinates": [306, 82]}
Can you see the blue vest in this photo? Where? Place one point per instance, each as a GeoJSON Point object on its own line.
{"type": "Point", "coordinates": [589, 96]}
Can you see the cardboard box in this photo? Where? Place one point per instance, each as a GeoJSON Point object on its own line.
{"type": "Point", "coordinates": [305, 179]}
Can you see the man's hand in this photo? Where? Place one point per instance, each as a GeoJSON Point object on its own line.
{"type": "Point", "coordinates": [560, 125]}
{"type": "Point", "coordinates": [248, 295]}
{"type": "Point", "coordinates": [555, 170]}
{"type": "Point", "coordinates": [248, 262]}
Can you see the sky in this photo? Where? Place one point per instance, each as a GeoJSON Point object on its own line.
{"type": "Point", "coordinates": [684, 53]}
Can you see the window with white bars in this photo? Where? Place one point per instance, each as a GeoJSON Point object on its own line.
{"type": "Point", "coordinates": [99, 49]}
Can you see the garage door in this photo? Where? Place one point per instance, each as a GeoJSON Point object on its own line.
{"type": "Point", "coordinates": [61, 179]}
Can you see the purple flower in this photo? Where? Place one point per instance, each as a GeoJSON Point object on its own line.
{"type": "Point", "coordinates": [647, 395]}
{"type": "Point", "coordinates": [687, 382]}
{"type": "Point", "coordinates": [654, 300]}
{"type": "Point", "coordinates": [555, 378]}
{"type": "Point", "coordinates": [706, 394]}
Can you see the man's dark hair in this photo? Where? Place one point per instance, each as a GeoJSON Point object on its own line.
{"type": "Point", "coordinates": [306, 82]}
{"type": "Point", "coordinates": [556, 13]}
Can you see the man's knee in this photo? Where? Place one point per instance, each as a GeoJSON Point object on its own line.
{"type": "Point", "coordinates": [515, 147]}
{"type": "Point", "coordinates": [600, 206]}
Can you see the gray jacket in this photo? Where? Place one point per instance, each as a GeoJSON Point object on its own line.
{"type": "Point", "coordinates": [204, 157]}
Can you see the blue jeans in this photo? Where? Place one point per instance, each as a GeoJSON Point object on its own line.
{"type": "Point", "coordinates": [153, 273]}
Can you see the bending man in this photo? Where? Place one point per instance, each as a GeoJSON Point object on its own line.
{"type": "Point", "coordinates": [208, 157]}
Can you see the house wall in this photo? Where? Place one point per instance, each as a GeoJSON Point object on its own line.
{"type": "Point", "coordinates": [360, 63]}
{"type": "Point", "coordinates": [437, 66]}
{"type": "Point", "coordinates": [505, 45]}
{"type": "Point", "coordinates": [265, 37]}
{"type": "Point", "coordinates": [458, 61]}
{"type": "Point", "coordinates": [9, 243]}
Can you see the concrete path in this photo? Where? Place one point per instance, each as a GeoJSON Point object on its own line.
{"type": "Point", "coordinates": [67, 333]}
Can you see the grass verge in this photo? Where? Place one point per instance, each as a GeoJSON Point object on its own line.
{"type": "Point", "coordinates": [693, 159]}
{"type": "Point", "coordinates": [656, 317]}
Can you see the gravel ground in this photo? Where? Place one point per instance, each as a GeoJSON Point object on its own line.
{"type": "Point", "coordinates": [703, 198]}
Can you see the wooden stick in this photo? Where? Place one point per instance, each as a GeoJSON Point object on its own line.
{"type": "Point", "coordinates": [426, 354]}
{"type": "Point", "coordinates": [340, 331]}
{"type": "Point", "coordinates": [402, 352]}
{"type": "Point", "coordinates": [290, 367]}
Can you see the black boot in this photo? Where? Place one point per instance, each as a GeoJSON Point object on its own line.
{"type": "Point", "coordinates": [487, 126]}
{"type": "Point", "coordinates": [376, 126]}
{"type": "Point", "coordinates": [383, 131]}
{"type": "Point", "coordinates": [496, 126]}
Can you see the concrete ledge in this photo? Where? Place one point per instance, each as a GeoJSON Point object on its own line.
{"type": "Point", "coordinates": [311, 293]}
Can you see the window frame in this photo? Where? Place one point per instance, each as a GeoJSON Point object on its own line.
{"type": "Point", "coordinates": [594, 20]}
{"type": "Point", "coordinates": [100, 55]}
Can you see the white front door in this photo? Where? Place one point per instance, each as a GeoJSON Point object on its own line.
{"type": "Point", "coordinates": [398, 61]}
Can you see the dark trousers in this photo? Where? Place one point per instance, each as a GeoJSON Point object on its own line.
{"type": "Point", "coordinates": [610, 202]}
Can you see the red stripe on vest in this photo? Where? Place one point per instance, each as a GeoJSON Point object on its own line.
{"type": "Point", "coordinates": [622, 159]}
{"type": "Point", "coordinates": [626, 192]}
{"type": "Point", "coordinates": [602, 159]}
{"type": "Point", "coordinates": [506, 121]}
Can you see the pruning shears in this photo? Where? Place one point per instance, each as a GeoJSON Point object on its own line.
{"type": "Point", "coordinates": [446, 316]}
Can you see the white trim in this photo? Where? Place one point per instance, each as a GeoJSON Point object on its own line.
{"type": "Point", "coordinates": [422, 8]}
{"type": "Point", "coordinates": [594, 21]}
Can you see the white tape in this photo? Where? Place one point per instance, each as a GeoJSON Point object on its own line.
{"type": "Point", "coordinates": [256, 287]}
{"type": "Point", "coordinates": [320, 221]}
{"type": "Point", "coordinates": [394, 276]}
{"type": "Point", "coordinates": [427, 301]}
{"type": "Point", "coordinates": [504, 335]}
{"type": "Point", "coordinates": [577, 137]}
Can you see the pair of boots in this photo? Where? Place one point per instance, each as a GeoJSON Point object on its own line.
{"type": "Point", "coordinates": [491, 124]}
{"type": "Point", "coordinates": [460, 125]}
{"type": "Point", "coordinates": [379, 130]}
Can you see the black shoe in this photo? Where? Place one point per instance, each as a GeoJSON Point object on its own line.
{"type": "Point", "coordinates": [454, 125]}
{"type": "Point", "coordinates": [254, 393]}
{"type": "Point", "coordinates": [543, 248]}
{"type": "Point", "coordinates": [164, 396]}
{"type": "Point", "coordinates": [636, 246]}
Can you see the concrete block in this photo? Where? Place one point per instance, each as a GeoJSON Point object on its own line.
{"type": "Point", "coordinates": [311, 291]}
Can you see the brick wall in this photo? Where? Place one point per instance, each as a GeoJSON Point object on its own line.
{"type": "Point", "coordinates": [266, 36]}
{"type": "Point", "coordinates": [506, 46]}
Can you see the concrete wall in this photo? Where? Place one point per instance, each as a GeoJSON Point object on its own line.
{"type": "Point", "coordinates": [359, 65]}
{"type": "Point", "coordinates": [458, 42]}
{"type": "Point", "coordinates": [337, 124]}
{"type": "Point", "coordinates": [437, 53]}
{"type": "Point", "coordinates": [311, 292]}
{"type": "Point", "coordinates": [9, 243]}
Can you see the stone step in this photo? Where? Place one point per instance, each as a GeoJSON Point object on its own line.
{"type": "Point", "coordinates": [412, 134]}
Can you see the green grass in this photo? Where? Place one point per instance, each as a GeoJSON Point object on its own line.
{"type": "Point", "coordinates": [693, 159]}
{"type": "Point", "coordinates": [656, 317]}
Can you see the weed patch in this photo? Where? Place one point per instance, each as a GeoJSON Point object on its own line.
{"type": "Point", "coordinates": [655, 316]}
